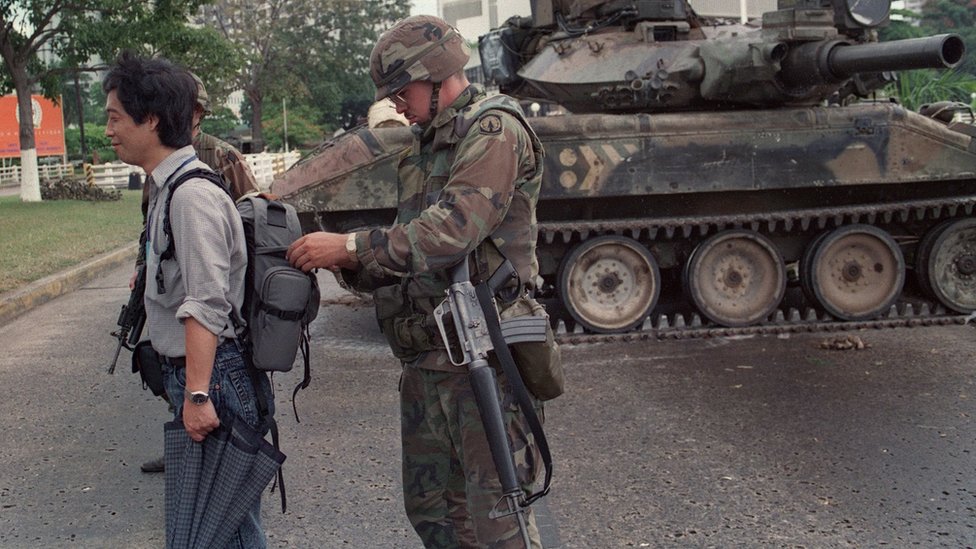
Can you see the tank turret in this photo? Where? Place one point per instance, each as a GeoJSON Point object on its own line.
{"type": "Point", "coordinates": [658, 55]}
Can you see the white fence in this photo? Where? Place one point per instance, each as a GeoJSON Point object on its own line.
{"type": "Point", "coordinates": [265, 167]}
{"type": "Point", "coordinates": [11, 174]}
{"type": "Point", "coordinates": [116, 174]}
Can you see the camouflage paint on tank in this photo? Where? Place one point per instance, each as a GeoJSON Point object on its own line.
{"type": "Point", "coordinates": [594, 156]}
{"type": "Point", "coordinates": [354, 172]}
{"type": "Point", "coordinates": [651, 61]}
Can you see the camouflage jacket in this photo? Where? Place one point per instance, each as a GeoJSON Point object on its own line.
{"type": "Point", "coordinates": [227, 161]}
{"type": "Point", "coordinates": [472, 175]}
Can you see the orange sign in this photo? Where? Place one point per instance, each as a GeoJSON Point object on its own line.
{"type": "Point", "coordinates": [48, 127]}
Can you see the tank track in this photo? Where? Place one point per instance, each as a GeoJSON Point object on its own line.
{"type": "Point", "coordinates": [905, 313]}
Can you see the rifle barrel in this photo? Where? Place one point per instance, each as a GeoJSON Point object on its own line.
{"type": "Point", "coordinates": [118, 349]}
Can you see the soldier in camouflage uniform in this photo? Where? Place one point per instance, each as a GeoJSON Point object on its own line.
{"type": "Point", "coordinates": [468, 188]}
{"type": "Point", "coordinates": [224, 159]}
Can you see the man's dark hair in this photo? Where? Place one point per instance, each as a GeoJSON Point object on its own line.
{"type": "Point", "coordinates": [155, 86]}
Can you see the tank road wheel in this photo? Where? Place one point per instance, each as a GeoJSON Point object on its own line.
{"type": "Point", "coordinates": [946, 264]}
{"type": "Point", "coordinates": [855, 272]}
{"type": "Point", "coordinates": [609, 283]}
{"type": "Point", "coordinates": [735, 278]}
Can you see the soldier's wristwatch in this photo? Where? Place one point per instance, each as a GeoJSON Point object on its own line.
{"type": "Point", "coordinates": [351, 246]}
{"type": "Point", "coordinates": [197, 397]}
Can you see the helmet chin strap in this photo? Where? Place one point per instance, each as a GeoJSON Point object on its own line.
{"type": "Point", "coordinates": [434, 98]}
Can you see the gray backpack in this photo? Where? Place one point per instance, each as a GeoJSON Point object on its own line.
{"type": "Point", "coordinates": [279, 300]}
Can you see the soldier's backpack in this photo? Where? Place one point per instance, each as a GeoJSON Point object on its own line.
{"type": "Point", "coordinates": [279, 300]}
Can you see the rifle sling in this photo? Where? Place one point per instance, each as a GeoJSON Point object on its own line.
{"type": "Point", "coordinates": [521, 393]}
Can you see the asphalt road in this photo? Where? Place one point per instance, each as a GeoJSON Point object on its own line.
{"type": "Point", "coordinates": [759, 442]}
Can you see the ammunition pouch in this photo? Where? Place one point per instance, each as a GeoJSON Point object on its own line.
{"type": "Point", "coordinates": [409, 334]}
{"type": "Point", "coordinates": [149, 365]}
{"type": "Point", "coordinates": [539, 362]}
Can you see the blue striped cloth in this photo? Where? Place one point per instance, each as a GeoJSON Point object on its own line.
{"type": "Point", "coordinates": [211, 485]}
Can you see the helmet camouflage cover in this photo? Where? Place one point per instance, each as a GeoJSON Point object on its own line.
{"type": "Point", "coordinates": [421, 47]}
{"type": "Point", "coordinates": [203, 100]}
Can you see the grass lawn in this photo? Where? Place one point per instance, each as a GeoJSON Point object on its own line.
{"type": "Point", "coordinates": [41, 238]}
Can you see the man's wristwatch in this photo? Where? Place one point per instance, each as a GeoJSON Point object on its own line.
{"type": "Point", "coordinates": [351, 246]}
{"type": "Point", "coordinates": [197, 397]}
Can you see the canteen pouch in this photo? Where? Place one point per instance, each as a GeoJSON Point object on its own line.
{"type": "Point", "coordinates": [539, 362]}
{"type": "Point", "coordinates": [409, 334]}
{"type": "Point", "coordinates": [285, 301]}
{"type": "Point", "coordinates": [149, 365]}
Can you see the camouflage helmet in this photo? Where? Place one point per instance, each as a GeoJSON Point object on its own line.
{"type": "Point", "coordinates": [421, 47]}
{"type": "Point", "coordinates": [202, 98]}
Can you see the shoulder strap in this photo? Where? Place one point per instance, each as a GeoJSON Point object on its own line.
{"type": "Point", "coordinates": [170, 251]}
{"type": "Point", "coordinates": [518, 386]}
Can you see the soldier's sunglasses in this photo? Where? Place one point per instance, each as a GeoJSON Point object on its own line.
{"type": "Point", "coordinates": [399, 99]}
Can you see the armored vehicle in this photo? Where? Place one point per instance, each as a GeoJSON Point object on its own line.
{"type": "Point", "coordinates": [715, 178]}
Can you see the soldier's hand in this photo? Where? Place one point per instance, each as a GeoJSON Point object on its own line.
{"type": "Point", "coordinates": [319, 250]}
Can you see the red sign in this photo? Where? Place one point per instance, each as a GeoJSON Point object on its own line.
{"type": "Point", "coordinates": [48, 127]}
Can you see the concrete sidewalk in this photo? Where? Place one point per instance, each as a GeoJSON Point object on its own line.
{"type": "Point", "coordinates": [16, 302]}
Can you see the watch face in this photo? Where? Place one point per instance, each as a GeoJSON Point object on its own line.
{"type": "Point", "coordinates": [199, 398]}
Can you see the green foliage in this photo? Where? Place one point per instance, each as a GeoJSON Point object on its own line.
{"type": "Point", "coordinates": [41, 238]}
{"type": "Point", "coordinates": [92, 100]}
{"type": "Point", "coordinates": [302, 130]}
{"type": "Point", "coordinates": [916, 88]}
{"type": "Point", "coordinates": [95, 141]}
{"type": "Point", "coordinates": [328, 70]}
{"type": "Point", "coordinates": [336, 70]}
{"type": "Point", "coordinates": [220, 123]}
{"type": "Point", "coordinates": [73, 34]}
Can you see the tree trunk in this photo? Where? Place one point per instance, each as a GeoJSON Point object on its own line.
{"type": "Point", "coordinates": [257, 132]}
{"type": "Point", "coordinates": [30, 186]}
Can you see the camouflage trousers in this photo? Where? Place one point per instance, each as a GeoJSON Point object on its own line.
{"type": "Point", "coordinates": [450, 483]}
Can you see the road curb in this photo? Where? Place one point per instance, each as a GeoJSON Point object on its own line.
{"type": "Point", "coordinates": [16, 302]}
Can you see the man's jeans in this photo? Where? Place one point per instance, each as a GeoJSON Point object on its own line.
{"type": "Point", "coordinates": [232, 393]}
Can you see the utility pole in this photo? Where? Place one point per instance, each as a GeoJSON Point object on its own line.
{"type": "Point", "coordinates": [284, 116]}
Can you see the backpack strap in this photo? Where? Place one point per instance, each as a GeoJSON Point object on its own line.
{"type": "Point", "coordinates": [170, 251]}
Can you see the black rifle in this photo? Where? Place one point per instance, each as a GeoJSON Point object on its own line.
{"type": "Point", "coordinates": [465, 309]}
{"type": "Point", "coordinates": [131, 319]}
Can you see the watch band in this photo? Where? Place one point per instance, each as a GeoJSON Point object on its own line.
{"type": "Point", "coordinates": [351, 246]}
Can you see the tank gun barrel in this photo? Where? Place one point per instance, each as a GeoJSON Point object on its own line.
{"type": "Point", "coordinates": [833, 61]}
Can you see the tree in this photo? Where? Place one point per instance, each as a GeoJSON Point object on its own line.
{"type": "Point", "coordinates": [41, 41]}
{"type": "Point", "coordinates": [336, 70]}
{"type": "Point", "coordinates": [302, 129]}
{"type": "Point", "coordinates": [255, 29]}
{"type": "Point", "coordinates": [330, 66]}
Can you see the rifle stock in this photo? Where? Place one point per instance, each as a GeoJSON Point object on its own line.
{"type": "Point", "coordinates": [132, 318]}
